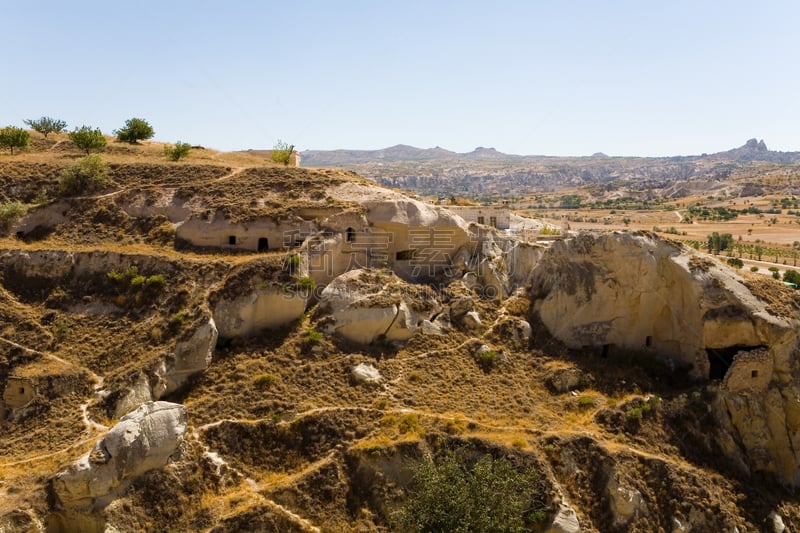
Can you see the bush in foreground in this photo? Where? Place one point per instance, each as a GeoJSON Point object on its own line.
{"type": "Point", "coordinates": [448, 495]}
{"type": "Point", "coordinates": [85, 176]}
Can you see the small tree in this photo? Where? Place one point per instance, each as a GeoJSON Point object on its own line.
{"type": "Point", "coordinates": [46, 125]}
{"type": "Point", "coordinates": [13, 137]}
{"type": "Point", "coordinates": [85, 176]}
{"type": "Point", "coordinates": [135, 130]}
{"type": "Point", "coordinates": [174, 153]}
{"type": "Point", "coordinates": [87, 138]}
{"type": "Point", "coordinates": [281, 152]}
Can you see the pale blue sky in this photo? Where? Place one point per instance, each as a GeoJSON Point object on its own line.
{"type": "Point", "coordinates": [551, 77]}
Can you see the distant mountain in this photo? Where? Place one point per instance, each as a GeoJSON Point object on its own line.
{"type": "Point", "coordinates": [755, 150]}
{"type": "Point", "coordinates": [400, 152]}
{"type": "Point", "coordinates": [486, 171]}
{"type": "Point", "coordinates": [752, 150]}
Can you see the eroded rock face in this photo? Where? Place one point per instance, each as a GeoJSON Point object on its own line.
{"type": "Point", "coordinates": [642, 293]}
{"type": "Point", "coordinates": [142, 440]}
{"type": "Point", "coordinates": [263, 308]}
{"type": "Point", "coordinates": [187, 358]}
{"type": "Point", "coordinates": [368, 305]}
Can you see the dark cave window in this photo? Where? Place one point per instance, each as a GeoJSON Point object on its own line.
{"type": "Point", "coordinates": [405, 255]}
{"type": "Point", "coordinates": [232, 240]}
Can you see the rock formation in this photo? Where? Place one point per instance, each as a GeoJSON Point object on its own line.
{"type": "Point", "coordinates": [142, 440]}
{"type": "Point", "coordinates": [369, 305]}
{"type": "Point", "coordinates": [639, 293]}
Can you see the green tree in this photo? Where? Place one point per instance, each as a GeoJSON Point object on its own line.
{"type": "Point", "coordinates": [46, 125]}
{"type": "Point", "coordinates": [717, 242]}
{"type": "Point", "coordinates": [13, 137]}
{"type": "Point", "coordinates": [85, 176]}
{"type": "Point", "coordinates": [135, 130]}
{"type": "Point", "coordinates": [449, 496]}
{"type": "Point", "coordinates": [281, 152]}
{"type": "Point", "coordinates": [174, 153]}
{"type": "Point", "coordinates": [87, 138]}
{"type": "Point", "coordinates": [792, 276]}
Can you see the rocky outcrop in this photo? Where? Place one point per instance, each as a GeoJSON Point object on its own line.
{"type": "Point", "coordinates": [191, 356]}
{"type": "Point", "coordinates": [640, 293]}
{"type": "Point", "coordinates": [565, 521]}
{"type": "Point", "coordinates": [188, 357]}
{"type": "Point", "coordinates": [142, 440]}
{"type": "Point", "coordinates": [266, 307]}
{"type": "Point", "coordinates": [370, 305]}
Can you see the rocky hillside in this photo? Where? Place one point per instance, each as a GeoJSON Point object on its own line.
{"type": "Point", "coordinates": [227, 345]}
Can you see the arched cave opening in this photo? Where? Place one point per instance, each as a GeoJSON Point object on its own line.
{"type": "Point", "coordinates": [720, 359]}
{"type": "Point", "coordinates": [263, 244]}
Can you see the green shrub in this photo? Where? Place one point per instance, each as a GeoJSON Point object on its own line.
{"type": "Point", "coordinates": [449, 495]}
{"type": "Point", "coordinates": [306, 283]}
{"type": "Point", "coordinates": [116, 276]}
{"type": "Point", "coordinates": [281, 152]}
{"type": "Point", "coordinates": [754, 269]}
{"type": "Point", "coordinates": [735, 262]}
{"type": "Point", "coordinates": [792, 276]}
{"type": "Point", "coordinates": [584, 400]}
{"type": "Point", "coordinates": [265, 381]}
{"type": "Point", "coordinates": [156, 281]}
{"type": "Point", "coordinates": [10, 212]}
{"type": "Point", "coordinates": [178, 317]}
{"type": "Point", "coordinates": [312, 336]}
{"type": "Point", "coordinates": [180, 149]}
{"type": "Point", "coordinates": [138, 281]}
{"type": "Point", "coordinates": [487, 359]}
{"type": "Point", "coordinates": [634, 413]}
{"type": "Point", "coordinates": [85, 176]}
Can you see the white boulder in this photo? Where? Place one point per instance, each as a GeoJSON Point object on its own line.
{"type": "Point", "coordinates": [366, 373]}
{"type": "Point", "coordinates": [369, 305]}
{"type": "Point", "coordinates": [142, 440]}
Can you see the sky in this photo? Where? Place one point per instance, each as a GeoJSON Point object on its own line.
{"type": "Point", "coordinates": [550, 77]}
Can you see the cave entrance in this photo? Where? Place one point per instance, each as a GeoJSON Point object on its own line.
{"type": "Point", "coordinates": [263, 244]}
{"type": "Point", "coordinates": [721, 359]}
